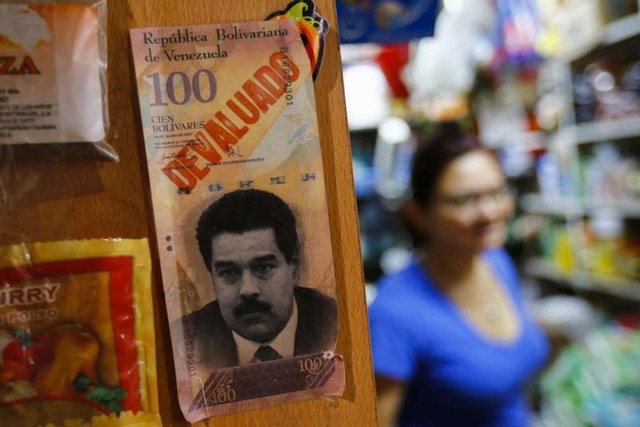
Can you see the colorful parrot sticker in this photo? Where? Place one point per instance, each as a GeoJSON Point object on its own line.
{"type": "Point", "coordinates": [312, 27]}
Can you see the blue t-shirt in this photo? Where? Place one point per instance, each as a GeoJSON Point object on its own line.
{"type": "Point", "coordinates": [455, 375]}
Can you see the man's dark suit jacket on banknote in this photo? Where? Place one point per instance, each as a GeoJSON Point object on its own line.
{"type": "Point", "coordinates": [213, 340]}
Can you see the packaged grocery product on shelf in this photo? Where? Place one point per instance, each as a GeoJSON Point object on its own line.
{"type": "Point", "coordinates": [606, 90]}
{"type": "Point", "coordinates": [52, 75]}
{"type": "Point", "coordinates": [596, 381]}
{"type": "Point", "coordinates": [76, 334]}
{"type": "Point", "coordinates": [555, 242]}
{"type": "Point", "coordinates": [555, 179]}
{"type": "Point", "coordinates": [603, 235]}
{"type": "Point", "coordinates": [607, 173]}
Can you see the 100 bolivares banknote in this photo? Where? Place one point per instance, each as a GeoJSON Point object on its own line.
{"type": "Point", "coordinates": [233, 150]}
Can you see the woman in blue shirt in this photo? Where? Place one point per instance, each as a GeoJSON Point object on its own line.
{"type": "Point", "coordinates": [452, 343]}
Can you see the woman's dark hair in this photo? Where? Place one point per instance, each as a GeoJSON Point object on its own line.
{"type": "Point", "coordinates": [434, 155]}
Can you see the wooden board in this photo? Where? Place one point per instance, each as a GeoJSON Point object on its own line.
{"type": "Point", "coordinates": [60, 198]}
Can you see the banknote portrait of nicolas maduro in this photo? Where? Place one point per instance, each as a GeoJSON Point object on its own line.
{"type": "Point", "coordinates": [249, 243]}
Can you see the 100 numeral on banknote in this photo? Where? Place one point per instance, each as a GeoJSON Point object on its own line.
{"type": "Point", "coordinates": [233, 154]}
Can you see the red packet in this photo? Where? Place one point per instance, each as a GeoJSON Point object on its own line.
{"type": "Point", "coordinates": [74, 349]}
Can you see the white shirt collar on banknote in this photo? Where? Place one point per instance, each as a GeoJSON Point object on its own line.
{"type": "Point", "coordinates": [284, 343]}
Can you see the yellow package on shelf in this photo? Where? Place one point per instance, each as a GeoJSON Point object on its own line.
{"type": "Point", "coordinates": [77, 345]}
{"type": "Point", "coordinates": [562, 252]}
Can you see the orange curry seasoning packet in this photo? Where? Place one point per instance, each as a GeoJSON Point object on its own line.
{"type": "Point", "coordinates": [76, 334]}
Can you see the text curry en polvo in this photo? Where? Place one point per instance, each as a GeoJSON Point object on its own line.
{"type": "Point", "coordinates": [28, 294]}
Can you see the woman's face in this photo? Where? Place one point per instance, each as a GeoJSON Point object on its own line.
{"type": "Point", "coordinates": [471, 205]}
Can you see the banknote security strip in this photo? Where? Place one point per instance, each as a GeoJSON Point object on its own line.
{"type": "Point", "coordinates": [52, 75]}
{"type": "Point", "coordinates": [74, 350]}
{"type": "Point", "coordinates": [234, 160]}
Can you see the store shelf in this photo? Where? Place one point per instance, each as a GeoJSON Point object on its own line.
{"type": "Point", "coordinates": [621, 29]}
{"type": "Point", "coordinates": [534, 203]}
{"type": "Point", "coordinates": [624, 208]}
{"type": "Point", "coordinates": [606, 131]}
{"type": "Point", "coordinates": [537, 204]}
{"type": "Point", "coordinates": [541, 269]}
{"type": "Point", "coordinates": [614, 286]}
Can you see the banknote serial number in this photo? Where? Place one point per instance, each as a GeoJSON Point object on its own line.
{"type": "Point", "coordinates": [179, 87]}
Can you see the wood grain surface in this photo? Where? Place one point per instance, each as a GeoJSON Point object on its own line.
{"type": "Point", "coordinates": [58, 198]}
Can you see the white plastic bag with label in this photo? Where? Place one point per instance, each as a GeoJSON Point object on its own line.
{"type": "Point", "coordinates": [52, 75]}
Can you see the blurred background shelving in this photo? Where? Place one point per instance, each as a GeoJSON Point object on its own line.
{"type": "Point", "coordinates": [616, 287]}
{"type": "Point", "coordinates": [553, 87]}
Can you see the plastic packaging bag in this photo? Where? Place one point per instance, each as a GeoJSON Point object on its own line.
{"type": "Point", "coordinates": [76, 335]}
{"type": "Point", "coordinates": [52, 75]}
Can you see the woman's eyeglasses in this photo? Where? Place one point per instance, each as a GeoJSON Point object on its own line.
{"type": "Point", "coordinates": [470, 202]}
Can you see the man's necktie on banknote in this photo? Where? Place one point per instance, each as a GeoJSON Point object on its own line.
{"type": "Point", "coordinates": [265, 353]}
